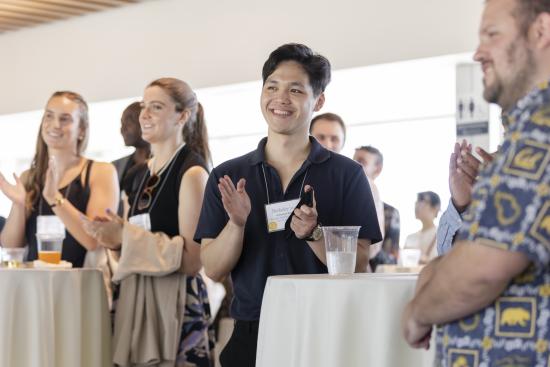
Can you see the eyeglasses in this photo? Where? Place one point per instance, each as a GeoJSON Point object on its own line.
{"type": "Point", "coordinates": [147, 194]}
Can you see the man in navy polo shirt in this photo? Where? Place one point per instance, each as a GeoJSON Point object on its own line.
{"type": "Point", "coordinates": [243, 226]}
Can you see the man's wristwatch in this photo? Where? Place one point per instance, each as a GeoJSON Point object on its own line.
{"type": "Point", "coordinates": [316, 234]}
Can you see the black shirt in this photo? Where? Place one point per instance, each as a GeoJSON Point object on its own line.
{"type": "Point", "coordinates": [343, 197]}
{"type": "Point", "coordinates": [77, 193]}
{"type": "Point", "coordinates": [165, 197]}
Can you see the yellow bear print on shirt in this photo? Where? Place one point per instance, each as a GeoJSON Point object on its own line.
{"type": "Point", "coordinates": [508, 208]}
{"type": "Point", "coordinates": [545, 224]}
{"type": "Point", "coordinates": [542, 117]}
{"type": "Point", "coordinates": [515, 316]}
{"type": "Point", "coordinates": [461, 362]}
{"type": "Point", "coordinates": [527, 159]}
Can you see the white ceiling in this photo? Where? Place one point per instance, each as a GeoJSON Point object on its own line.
{"type": "Point", "coordinates": [113, 54]}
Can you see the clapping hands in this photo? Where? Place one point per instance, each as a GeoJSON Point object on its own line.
{"type": "Point", "coordinates": [236, 201]}
{"type": "Point", "coordinates": [16, 193]}
{"type": "Point", "coordinates": [105, 230]}
{"type": "Point", "coordinates": [463, 171]}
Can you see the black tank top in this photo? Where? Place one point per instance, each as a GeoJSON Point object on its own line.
{"type": "Point", "coordinates": [163, 210]}
{"type": "Point", "coordinates": [78, 194]}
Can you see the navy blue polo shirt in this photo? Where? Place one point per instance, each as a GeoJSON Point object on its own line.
{"type": "Point", "coordinates": [343, 197]}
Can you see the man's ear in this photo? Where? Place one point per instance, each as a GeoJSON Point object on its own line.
{"type": "Point", "coordinates": [320, 102]}
{"type": "Point", "coordinates": [541, 29]}
{"type": "Point", "coordinates": [378, 169]}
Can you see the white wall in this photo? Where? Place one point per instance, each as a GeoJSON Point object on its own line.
{"type": "Point", "coordinates": [113, 54]}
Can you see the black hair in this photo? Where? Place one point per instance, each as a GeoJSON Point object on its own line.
{"type": "Point", "coordinates": [375, 151]}
{"type": "Point", "coordinates": [431, 197]}
{"type": "Point", "coordinates": [316, 66]}
{"type": "Point", "coordinates": [132, 112]}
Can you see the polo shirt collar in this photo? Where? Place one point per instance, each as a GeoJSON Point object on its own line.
{"type": "Point", "coordinates": [317, 154]}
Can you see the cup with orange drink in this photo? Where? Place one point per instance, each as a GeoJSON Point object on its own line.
{"type": "Point", "coordinates": [50, 246]}
{"type": "Point", "coordinates": [50, 235]}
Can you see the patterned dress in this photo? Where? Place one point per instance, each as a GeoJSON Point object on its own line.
{"type": "Point", "coordinates": [510, 210]}
{"type": "Point", "coordinates": [196, 347]}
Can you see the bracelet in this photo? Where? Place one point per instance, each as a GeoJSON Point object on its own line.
{"type": "Point", "coordinates": [58, 202]}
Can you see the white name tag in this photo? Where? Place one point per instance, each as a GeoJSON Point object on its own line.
{"type": "Point", "coordinates": [50, 224]}
{"type": "Point", "coordinates": [278, 213]}
{"type": "Point", "coordinates": [141, 220]}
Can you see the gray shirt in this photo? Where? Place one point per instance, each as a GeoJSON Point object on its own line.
{"type": "Point", "coordinates": [449, 224]}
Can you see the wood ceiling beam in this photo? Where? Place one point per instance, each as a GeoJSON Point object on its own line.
{"type": "Point", "coordinates": [18, 22]}
{"type": "Point", "coordinates": [89, 6]}
{"type": "Point", "coordinates": [16, 14]}
{"type": "Point", "coordinates": [31, 17]}
{"type": "Point", "coordinates": [112, 3]}
{"type": "Point", "coordinates": [27, 4]}
{"type": "Point", "coordinates": [6, 27]}
{"type": "Point", "coordinates": [31, 11]}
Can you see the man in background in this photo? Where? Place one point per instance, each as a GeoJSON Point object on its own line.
{"type": "Point", "coordinates": [372, 161]}
{"type": "Point", "coordinates": [329, 130]}
{"type": "Point", "coordinates": [131, 133]}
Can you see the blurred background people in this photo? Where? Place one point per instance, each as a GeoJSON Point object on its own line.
{"type": "Point", "coordinates": [389, 253]}
{"type": "Point", "coordinates": [60, 182]}
{"type": "Point", "coordinates": [425, 210]}
{"type": "Point", "coordinates": [372, 161]}
{"type": "Point", "coordinates": [165, 196]}
{"type": "Point", "coordinates": [329, 130]}
{"type": "Point", "coordinates": [131, 133]}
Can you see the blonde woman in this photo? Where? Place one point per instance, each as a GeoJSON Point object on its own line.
{"type": "Point", "coordinates": [60, 182]}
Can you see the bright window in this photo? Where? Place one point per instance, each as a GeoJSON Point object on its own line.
{"type": "Point", "coordinates": [405, 109]}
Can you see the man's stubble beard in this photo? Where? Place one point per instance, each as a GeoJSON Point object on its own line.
{"type": "Point", "coordinates": [506, 93]}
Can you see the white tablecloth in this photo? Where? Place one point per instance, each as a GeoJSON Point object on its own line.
{"type": "Point", "coordinates": [54, 318]}
{"type": "Point", "coordinates": [336, 321]}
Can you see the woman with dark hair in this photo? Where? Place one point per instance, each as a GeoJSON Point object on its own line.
{"type": "Point", "coordinates": [159, 261]}
{"type": "Point", "coordinates": [426, 209]}
{"type": "Point", "coordinates": [60, 182]}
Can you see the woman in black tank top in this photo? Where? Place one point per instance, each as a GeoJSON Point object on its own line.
{"type": "Point", "coordinates": [60, 182]}
{"type": "Point", "coordinates": [165, 195]}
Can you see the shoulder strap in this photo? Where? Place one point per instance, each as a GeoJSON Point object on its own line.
{"type": "Point", "coordinates": [87, 168]}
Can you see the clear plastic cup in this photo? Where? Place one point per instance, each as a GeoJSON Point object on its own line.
{"type": "Point", "coordinates": [410, 257]}
{"type": "Point", "coordinates": [50, 233]}
{"type": "Point", "coordinates": [12, 257]}
{"type": "Point", "coordinates": [50, 246]}
{"type": "Point", "coordinates": [49, 224]}
{"type": "Point", "coordinates": [341, 248]}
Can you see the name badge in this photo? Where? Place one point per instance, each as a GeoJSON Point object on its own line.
{"type": "Point", "coordinates": [141, 220]}
{"type": "Point", "coordinates": [50, 225]}
{"type": "Point", "coordinates": [278, 213]}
